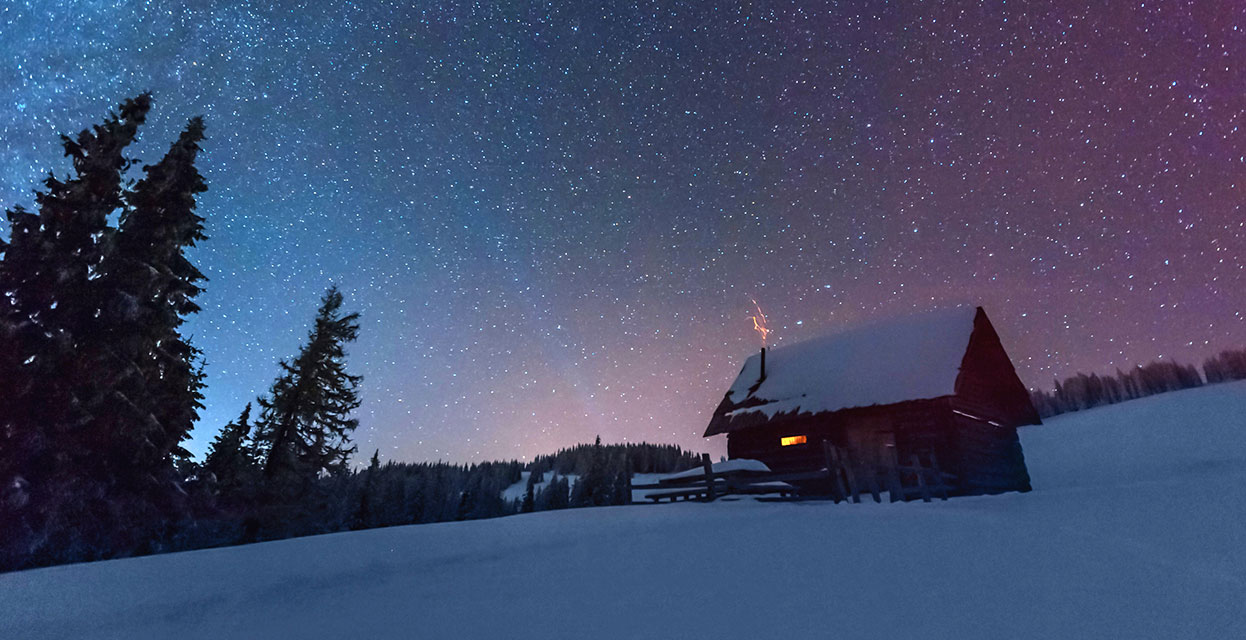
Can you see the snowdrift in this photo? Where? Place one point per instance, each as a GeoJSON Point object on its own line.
{"type": "Point", "coordinates": [1134, 530]}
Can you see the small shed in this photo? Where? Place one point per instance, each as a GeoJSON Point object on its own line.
{"type": "Point", "coordinates": [937, 385]}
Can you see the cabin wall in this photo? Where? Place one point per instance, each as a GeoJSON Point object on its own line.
{"type": "Point", "coordinates": [983, 458]}
{"type": "Point", "coordinates": [912, 427]}
{"type": "Point", "coordinates": [763, 443]}
{"type": "Point", "coordinates": [924, 428]}
{"type": "Point", "coordinates": [989, 457]}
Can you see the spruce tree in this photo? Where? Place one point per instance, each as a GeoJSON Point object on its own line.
{"type": "Point", "coordinates": [153, 286]}
{"type": "Point", "coordinates": [152, 387]}
{"type": "Point", "coordinates": [52, 419]}
{"type": "Point", "coordinates": [364, 517]}
{"type": "Point", "coordinates": [621, 482]}
{"type": "Point", "coordinates": [20, 439]}
{"type": "Point", "coordinates": [227, 458]}
{"type": "Point", "coordinates": [305, 424]}
{"type": "Point", "coordinates": [555, 495]}
{"type": "Point", "coordinates": [594, 488]}
{"type": "Point", "coordinates": [529, 496]}
{"type": "Point", "coordinates": [20, 261]}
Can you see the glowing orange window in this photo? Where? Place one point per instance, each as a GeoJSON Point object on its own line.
{"type": "Point", "coordinates": [788, 441]}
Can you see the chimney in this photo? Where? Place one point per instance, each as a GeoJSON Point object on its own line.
{"type": "Point", "coordinates": [762, 377]}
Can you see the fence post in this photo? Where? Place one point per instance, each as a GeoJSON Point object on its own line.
{"type": "Point", "coordinates": [921, 478]}
{"type": "Point", "coordinates": [850, 472]}
{"type": "Point", "coordinates": [710, 493]}
{"type": "Point", "coordinates": [832, 470]}
{"type": "Point", "coordinates": [893, 474]}
{"type": "Point", "coordinates": [938, 474]}
{"type": "Point", "coordinates": [872, 471]}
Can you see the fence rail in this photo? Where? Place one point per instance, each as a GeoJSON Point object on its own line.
{"type": "Point", "coordinates": [841, 479]}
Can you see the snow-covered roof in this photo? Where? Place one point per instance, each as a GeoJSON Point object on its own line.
{"type": "Point", "coordinates": [909, 358]}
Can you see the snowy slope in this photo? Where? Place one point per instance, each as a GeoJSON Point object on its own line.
{"type": "Point", "coordinates": [1134, 530]}
{"type": "Point", "coordinates": [516, 491]}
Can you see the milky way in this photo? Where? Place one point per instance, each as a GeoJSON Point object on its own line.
{"type": "Point", "coordinates": [553, 217]}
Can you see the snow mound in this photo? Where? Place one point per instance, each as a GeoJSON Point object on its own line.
{"type": "Point", "coordinates": [739, 464]}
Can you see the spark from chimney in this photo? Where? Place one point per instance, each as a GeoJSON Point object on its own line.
{"type": "Point", "coordinates": [759, 324]}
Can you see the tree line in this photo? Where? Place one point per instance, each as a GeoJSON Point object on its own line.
{"type": "Point", "coordinates": [100, 389]}
{"type": "Point", "coordinates": [1080, 392]}
{"type": "Point", "coordinates": [402, 493]}
{"type": "Point", "coordinates": [640, 458]}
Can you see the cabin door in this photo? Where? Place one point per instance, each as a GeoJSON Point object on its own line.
{"type": "Point", "coordinates": [869, 448]}
{"type": "Point", "coordinates": [867, 439]}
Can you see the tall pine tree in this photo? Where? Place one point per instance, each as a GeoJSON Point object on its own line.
{"type": "Point", "coordinates": [154, 286]}
{"type": "Point", "coordinates": [100, 386]}
{"type": "Point", "coordinates": [49, 460]}
{"type": "Point", "coordinates": [146, 285]}
{"type": "Point", "coordinates": [305, 424]}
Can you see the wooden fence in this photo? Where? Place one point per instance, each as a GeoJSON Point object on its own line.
{"type": "Point", "coordinates": [842, 479]}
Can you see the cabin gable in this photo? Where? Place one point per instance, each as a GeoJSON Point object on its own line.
{"type": "Point", "coordinates": [987, 384]}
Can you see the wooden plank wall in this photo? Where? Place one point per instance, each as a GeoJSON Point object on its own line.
{"type": "Point", "coordinates": [990, 457]}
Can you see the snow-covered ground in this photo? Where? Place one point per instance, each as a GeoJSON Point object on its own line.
{"type": "Point", "coordinates": [1135, 529]}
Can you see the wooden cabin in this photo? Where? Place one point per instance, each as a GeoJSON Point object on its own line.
{"type": "Point", "coordinates": [937, 385]}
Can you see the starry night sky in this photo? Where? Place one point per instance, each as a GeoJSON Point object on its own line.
{"type": "Point", "coordinates": [553, 216]}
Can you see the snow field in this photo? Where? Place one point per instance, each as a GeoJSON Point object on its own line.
{"type": "Point", "coordinates": [1134, 530]}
